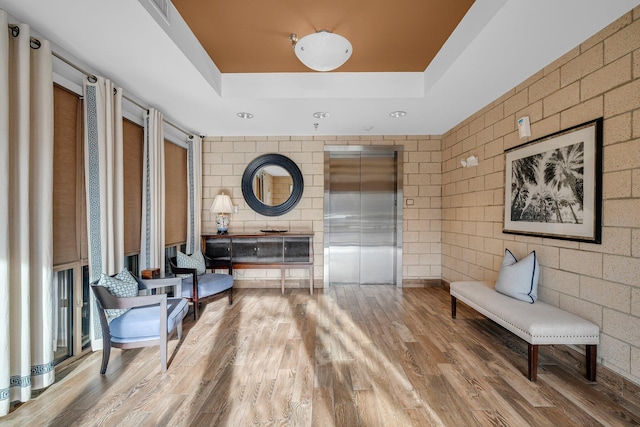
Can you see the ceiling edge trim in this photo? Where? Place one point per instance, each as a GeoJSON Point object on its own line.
{"type": "Point", "coordinates": [323, 85]}
{"type": "Point", "coordinates": [181, 35]}
{"type": "Point", "coordinates": [471, 25]}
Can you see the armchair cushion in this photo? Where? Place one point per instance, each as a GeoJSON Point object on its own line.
{"type": "Point", "coordinates": [195, 260]}
{"type": "Point", "coordinates": [208, 284]}
{"type": "Point", "coordinates": [123, 285]}
{"type": "Point", "coordinates": [143, 323]}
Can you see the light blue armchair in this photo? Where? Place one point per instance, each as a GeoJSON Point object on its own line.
{"type": "Point", "coordinates": [200, 288]}
{"type": "Point", "coordinates": [148, 320]}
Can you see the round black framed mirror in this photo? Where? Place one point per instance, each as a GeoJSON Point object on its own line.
{"type": "Point", "coordinates": [260, 186]}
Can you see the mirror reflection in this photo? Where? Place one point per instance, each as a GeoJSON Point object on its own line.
{"type": "Point", "coordinates": [272, 185]}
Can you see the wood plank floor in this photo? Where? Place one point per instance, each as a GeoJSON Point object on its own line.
{"type": "Point", "coordinates": [346, 356]}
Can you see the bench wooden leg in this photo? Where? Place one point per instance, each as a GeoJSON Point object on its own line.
{"type": "Point", "coordinates": [592, 351]}
{"type": "Point", "coordinates": [533, 362]}
{"type": "Point", "coordinates": [453, 307]}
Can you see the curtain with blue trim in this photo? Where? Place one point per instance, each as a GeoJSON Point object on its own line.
{"type": "Point", "coordinates": [26, 218]}
{"type": "Point", "coordinates": [194, 198]}
{"type": "Point", "coordinates": [104, 185]}
{"type": "Point", "coordinates": [153, 212]}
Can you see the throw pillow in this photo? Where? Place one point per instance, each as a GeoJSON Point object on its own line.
{"type": "Point", "coordinates": [126, 276]}
{"type": "Point", "coordinates": [195, 260]}
{"type": "Point", "coordinates": [123, 285]}
{"type": "Point", "coordinates": [519, 279]}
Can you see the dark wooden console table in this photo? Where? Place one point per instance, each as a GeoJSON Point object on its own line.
{"type": "Point", "coordinates": [261, 250]}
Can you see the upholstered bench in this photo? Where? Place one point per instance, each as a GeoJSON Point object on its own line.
{"type": "Point", "coordinates": [537, 323]}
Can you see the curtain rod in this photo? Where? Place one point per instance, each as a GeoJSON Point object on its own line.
{"type": "Point", "coordinates": [88, 74]}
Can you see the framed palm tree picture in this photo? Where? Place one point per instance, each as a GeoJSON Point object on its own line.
{"type": "Point", "coordinates": [553, 185]}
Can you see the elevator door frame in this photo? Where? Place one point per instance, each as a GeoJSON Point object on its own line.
{"type": "Point", "coordinates": [399, 150]}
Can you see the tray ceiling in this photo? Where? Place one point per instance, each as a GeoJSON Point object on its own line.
{"type": "Point", "coordinates": [387, 36]}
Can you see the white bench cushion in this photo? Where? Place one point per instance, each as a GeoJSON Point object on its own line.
{"type": "Point", "coordinates": [537, 323]}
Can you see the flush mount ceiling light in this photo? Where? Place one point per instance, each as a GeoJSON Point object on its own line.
{"type": "Point", "coordinates": [320, 115]}
{"type": "Point", "coordinates": [244, 115]}
{"type": "Point", "coordinates": [398, 113]}
{"type": "Point", "coordinates": [321, 51]}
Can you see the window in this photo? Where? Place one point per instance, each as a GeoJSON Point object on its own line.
{"type": "Point", "coordinates": [175, 160]}
{"type": "Point", "coordinates": [70, 256]}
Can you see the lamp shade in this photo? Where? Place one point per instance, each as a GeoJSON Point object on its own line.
{"type": "Point", "coordinates": [222, 204]}
{"type": "Point", "coordinates": [323, 51]}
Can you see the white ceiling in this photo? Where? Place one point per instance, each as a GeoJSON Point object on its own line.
{"type": "Point", "coordinates": [498, 44]}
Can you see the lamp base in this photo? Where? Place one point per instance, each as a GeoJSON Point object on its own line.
{"type": "Point", "coordinates": [222, 222]}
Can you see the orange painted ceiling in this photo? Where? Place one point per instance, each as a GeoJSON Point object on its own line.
{"type": "Point", "coordinates": [252, 36]}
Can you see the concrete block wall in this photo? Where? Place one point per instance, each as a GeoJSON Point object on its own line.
{"type": "Point", "coordinates": [225, 159]}
{"type": "Point", "coordinates": [599, 78]}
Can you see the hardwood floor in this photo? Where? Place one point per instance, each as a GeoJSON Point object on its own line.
{"type": "Point", "coordinates": [347, 356]}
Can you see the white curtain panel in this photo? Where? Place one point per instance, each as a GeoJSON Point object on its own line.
{"type": "Point", "coordinates": [26, 191]}
{"type": "Point", "coordinates": [152, 225]}
{"type": "Point", "coordinates": [194, 198]}
{"type": "Point", "coordinates": [104, 184]}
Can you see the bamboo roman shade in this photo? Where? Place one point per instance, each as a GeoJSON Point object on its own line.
{"type": "Point", "coordinates": [133, 152]}
{"type": "Point", "coordinates": [69, 224]}
{"type": "Point", "coordinates": [175, 160]}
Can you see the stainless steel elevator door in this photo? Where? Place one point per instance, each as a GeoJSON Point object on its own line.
{"type": "Point", "coordinates": [360, 217]}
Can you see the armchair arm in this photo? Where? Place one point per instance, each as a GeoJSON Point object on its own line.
{"type": "Point", "coordinates": [213, 263]}
{"type": "Point", "coordinates": [108, 301]}
{"type": "Point", "coordinates": [183, 270]}
{"type": "Point", "coordinates": [141, 301]}
{"type": "Point", "coordinates": [174, 282]}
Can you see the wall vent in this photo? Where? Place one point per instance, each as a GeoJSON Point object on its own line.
{"type": "Point", "coordinates": [163, 7]}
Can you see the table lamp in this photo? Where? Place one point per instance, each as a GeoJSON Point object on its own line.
{"type": "Point", "coordinates": [222, 206]}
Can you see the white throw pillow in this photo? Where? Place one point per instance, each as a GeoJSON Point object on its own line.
{"type": "Point", "coordinates": [519, 279]}
{"type": "Point", "coordinates": [195, 260]}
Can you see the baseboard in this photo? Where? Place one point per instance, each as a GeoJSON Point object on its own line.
{"type": "Point", "coordinates": [422, 283]}
{"type": "Point", "coordinates": [273, 284]}
{"type": "Point", "coordinates": [318, 284]}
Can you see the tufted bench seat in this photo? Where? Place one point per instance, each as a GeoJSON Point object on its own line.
{"type": "Point", "coordinates": [537, 323]}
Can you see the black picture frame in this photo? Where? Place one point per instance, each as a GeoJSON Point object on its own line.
{"type": "Point", "coordinates": [272, 160]}
{"type": "Point", "coordinates": [553, 185]}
